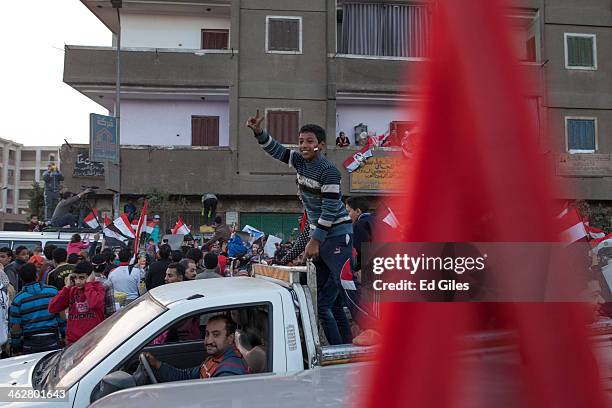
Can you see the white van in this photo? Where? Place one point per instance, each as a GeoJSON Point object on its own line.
{"type": "Point", "coordinates": [31, 240]}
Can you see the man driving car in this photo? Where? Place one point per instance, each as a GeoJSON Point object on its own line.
{"type": "Point", "coordinates": [223, 359]}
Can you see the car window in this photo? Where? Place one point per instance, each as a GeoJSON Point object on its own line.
{"type": "Point", "coordinates": [5, 244]}
{"type": "Point", "coordinates": [28, 244]}
{"type": "Point", "coordinates": [80, 357]}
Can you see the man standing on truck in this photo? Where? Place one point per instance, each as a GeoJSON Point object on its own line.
{"type": "Point", "coordinates": [53, 184]}
{"type": "Point", "coordinates": [223, 359]}
{"type": "Point", "coordinates": [330, 244]}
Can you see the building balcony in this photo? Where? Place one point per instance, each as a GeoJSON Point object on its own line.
{"type": "Point", "coordinates": [26, 183]}
{"type": "Point", "coordinates": [92, 70]}
{"type": "Point", "coordinates": [27, 165]}
{"type": "Point", "coordinates": [369, 74]}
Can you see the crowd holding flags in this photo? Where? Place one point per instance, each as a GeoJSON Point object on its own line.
{"type": "Point", "coordinates": [574, 228]}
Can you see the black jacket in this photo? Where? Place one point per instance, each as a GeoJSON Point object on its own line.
{"type": "Point", "coordinates": [362, 234]}
{"type": "Point", "coordinates": [157, 273]}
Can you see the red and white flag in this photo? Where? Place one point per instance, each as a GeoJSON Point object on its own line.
{"type": "Point", "coordinates": [150, 226]}
{"type": "Point", "coordinates": [571, 226]}
{"type": "Point", "coordinates": [601, 243]}
{"type": "Point", "coordinates": [358, 159]}
{"type": "Point", "coordinates": [390, 219]}
{"type": "Point", "coordinates": [346, 276]}
{"type": "Point", "coordinates": [180, 228]}
{"type": "Point", "coordinates": [106, 220]}
{"type": "Point", "coordinates": [142, 222]}
{"type": "Point", "coordinates": [120, 229]}
{"type": "Point", "coordinates": [92, 219]}
{"type": "Point", "coordinates": [594, 232]}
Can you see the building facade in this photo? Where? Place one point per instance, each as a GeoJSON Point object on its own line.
{"type": "Point", "coordinates": [20, 167]}
{"type": "Point", "coordinates": [192, 73]}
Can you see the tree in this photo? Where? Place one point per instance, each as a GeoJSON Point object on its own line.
{"type": "Point", "coordinates": [36, 204]}
{"type": "Point", "coordinates": [599, 214]}
{"type": "Point", "coordinates": [167, 206]}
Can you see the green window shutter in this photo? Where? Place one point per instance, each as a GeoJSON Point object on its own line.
{"type": "Point", "coordinates": [580, 52]}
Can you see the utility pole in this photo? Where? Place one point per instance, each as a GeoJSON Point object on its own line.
{"type": "Point", "coordinates": [117, 4]}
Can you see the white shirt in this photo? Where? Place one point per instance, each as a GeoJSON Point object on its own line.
{"type": "Point", "coordinates": [124, 281]}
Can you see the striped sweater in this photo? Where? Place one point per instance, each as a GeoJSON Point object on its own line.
{"type": "Point", "coordinates": [28, 314]}
{"type": "Point", "coordinates": [319, 182]}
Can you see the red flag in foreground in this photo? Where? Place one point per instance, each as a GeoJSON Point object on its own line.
{"type": "Point", "coordinates": [477, 177]}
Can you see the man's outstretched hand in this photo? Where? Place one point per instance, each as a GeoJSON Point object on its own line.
{"type": "Point", "coordinates": [254, 122]}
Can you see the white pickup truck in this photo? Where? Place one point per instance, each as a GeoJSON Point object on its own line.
{"type": "Point", "coordinates": [277, 306]}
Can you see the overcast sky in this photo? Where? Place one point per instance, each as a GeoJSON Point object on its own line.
{"type": "Point", "coordinates": [37, 108]}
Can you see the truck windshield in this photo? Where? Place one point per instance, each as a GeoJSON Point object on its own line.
{"type": "Point", "coordinates": [80, 357]}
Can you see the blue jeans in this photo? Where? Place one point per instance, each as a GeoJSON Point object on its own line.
{"type": "Point", "coordinates": [333, 253]}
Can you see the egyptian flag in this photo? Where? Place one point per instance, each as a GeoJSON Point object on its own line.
{"type": "Point", "coordinates": [142, 222]}
{"type": "Point", "coordinates": [180, 228]}
{"type": "Point", "coordinates": [92, 219]}
{"type": "Point", "coordinates": [354, 161]}
{"type": "Point", "coordinates": [477, 176]}
{"type": "Point", "coordinates": [594, 232]}
{"type": "Point", "coordinates": [106, 220]}
{"type": "Point", "coordinates": [600, 243]}
{"type": "Point", "coordinates": [150, 226]}
{"type": "Point", "coordinates": [571, 227]}
{"type": "Point", "coordinates": [346, 276]}
{"type": "Point", "coordinates": [120, 229]}
{"type": "Point", "coordinates": [390, 219]}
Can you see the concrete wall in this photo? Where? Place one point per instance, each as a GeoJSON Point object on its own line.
{"type": "Point", "coordinates": [96, 65]}
{"type": "Point", "coordinates": [165, 123]}
{"type": "Point", "coordinates": [159, 31]}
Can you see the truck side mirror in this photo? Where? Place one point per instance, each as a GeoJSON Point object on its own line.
{"type": "Point", "coordinates": [113, 382]}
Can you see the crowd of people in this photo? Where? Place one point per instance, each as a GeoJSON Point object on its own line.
{"type": "Point", "coordinates": [56, 294]}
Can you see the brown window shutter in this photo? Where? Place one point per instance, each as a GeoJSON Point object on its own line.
{"type": "Point", "coordinates": [205, 131]}
{"type": "Point", "coordinates": [283, 125]}
{"type": "Point", "coordinates": [215, 39]}
{"type": "Point", "coordinates": [283, 35]}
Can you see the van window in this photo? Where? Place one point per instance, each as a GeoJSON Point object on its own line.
{"type": "Point", "coordinates": [59, 244]}
{"type": "Point", "coordinates": [5, 244]}
{"type": "Point", "coordinates": [28, 244]}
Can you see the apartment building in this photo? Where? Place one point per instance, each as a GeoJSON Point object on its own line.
{"type": "Point", "coordinates": [192, 73]}
{"type": "Point", "coordinates": [20, 167]}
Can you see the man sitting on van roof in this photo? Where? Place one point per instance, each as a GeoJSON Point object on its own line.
{"type": "Point", "coordinates": [62, 216]}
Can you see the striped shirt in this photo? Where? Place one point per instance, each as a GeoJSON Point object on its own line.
{"type": "Point", "coordinates": [319, 182]}
{"type": "Point", "coordinates": [29, 312]}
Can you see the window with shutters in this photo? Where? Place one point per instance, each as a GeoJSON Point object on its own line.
{"type": "Point", "coordinates": [284, 35]}
{"type": "Point", "coordinates": [581, 134]}
{"type": "Point", "coordinates": [580, 51]}
{"type": "Point", "coordinates": [205, 131]}
{"type": "Point", "coordinates": [215, 39]}
{"type": "Point", "coordinates": [283, 125]}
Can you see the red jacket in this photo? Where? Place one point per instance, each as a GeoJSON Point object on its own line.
{"type": "Point", "coordinates": [85, 308]}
